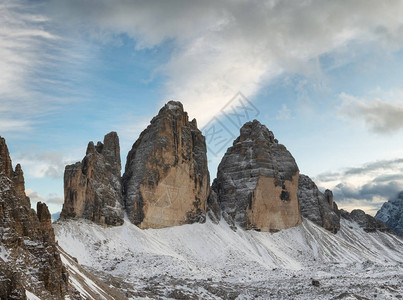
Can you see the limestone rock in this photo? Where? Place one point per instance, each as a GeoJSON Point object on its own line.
{"type": "Point", "coordinates": [166, 180]}
{"type": "Point", "coordinates": [365, 221]}
{"type": "Point", "coordinates": [29, 258]}
{"type": "Point", "coordinates": [317, 207]}
{"type": "Point", "coordinates": [92, 188]}
{"type": "Point", "coordinates": [391, 213]}
{"type": "Point", "coordinates": [257, 182]}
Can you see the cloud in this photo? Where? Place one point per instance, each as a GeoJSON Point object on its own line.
{"type": "Point", "coordinates": [365, 187]}
{"type": "Point", "coordinates": [34, 63]}
{"type": "Point", "coordinates": [380, 116]}
{"type": "Point", "coordinates": [43, 164]}
{"type": "Point", "coordinates": [221, 47]}
{"type": "Point", "coordinates": [51, 199]}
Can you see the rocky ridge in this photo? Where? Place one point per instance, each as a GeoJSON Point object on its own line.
{"type": "Point", "coordinates": [316, 206]}
{"type": "Point", "coordinates": [166, 180]}
{"type": "Point", "coordinates": [92, 187]}
{"type": "Point", "coordinates": [365, 221]}
{"type": "Point", "coordinates": [391, 213]}
{"type": "Point", "coordinates": [257, 182]}
{"type": "Point", "coordinates": [29, 259]}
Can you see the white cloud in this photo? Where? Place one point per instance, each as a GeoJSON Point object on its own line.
{"type": "Point", "coordinates": [222, 47]}
{"type": "Point", "coordinates": [379, 115]}
{"type": "Point", "coordinates": [49, 164]}
{"type": "Point", "coordinates": [50, 199]}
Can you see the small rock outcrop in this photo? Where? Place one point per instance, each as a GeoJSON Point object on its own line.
{"type": "Point", "coordinates": [257, 182]}
{"type": "Point", "coordinates": [166, 180]}
{"type": "Point", "coordinates": [92, 187]}
{"type": "Point", "coordinates": [365, 221]}
{"type": "Point", "coordinates": [29, 259]}
{"type": "Point", "coordinates": [316, 206]}
{"type": "Point", "coordinates": [391, 213]}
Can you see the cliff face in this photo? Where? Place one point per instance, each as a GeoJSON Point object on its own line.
{"type": "Point", "coordinates": [166, 180]}
{"type": "Point", "coordinates": [92, 187]}
{"type": "Point", "coordinates": [29, 259]}
{"type": "Point", "coordinates": [391, 213]}
{"type": "Point", "coordinates": [316, 206]}
{"type": "Point", "coordinates": [257, 182]}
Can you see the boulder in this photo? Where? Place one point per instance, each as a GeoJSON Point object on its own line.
{"type": "Point", "coordinates": [92, 187]}
{"type": "Point", "coordinates": [166, 180]}
{"type": "Point", "coordinates": [257, 182]}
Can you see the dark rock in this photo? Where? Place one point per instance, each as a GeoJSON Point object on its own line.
{"type": "Point", "coordinates": [317, 207]}
{"type": "Point", "coordinates": [315, 282]}
{"type": "Point", "coordinates": [365, 221]}
{"type": "Point", "coordinates": [257, 182]}
{"type": "Point", "coordinates": [166, 180]}
{"type": "Point", "coordinates": [92, 188]}
{"type": "Point", "coordinates": [391, 213]}
{"type": "Point", "coordinates": [29, 257]}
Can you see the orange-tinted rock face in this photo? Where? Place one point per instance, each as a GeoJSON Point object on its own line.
{"type": "Point", "coordinates": [27, 241]}
{"type": "Point", "coordinates": [92, 188]}
{"type": "Point", "coordinates": [166, 180]}
{"type": "Point", "coordinates": [257, 182]}
{"type": "Point", "coordinates": [267, 211]}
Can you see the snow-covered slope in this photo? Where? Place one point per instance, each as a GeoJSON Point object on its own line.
{"type": "Point", "coordinates": [213, 262]}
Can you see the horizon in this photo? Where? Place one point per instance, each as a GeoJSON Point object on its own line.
{"type": "Point", "coordinates": [325, 78]}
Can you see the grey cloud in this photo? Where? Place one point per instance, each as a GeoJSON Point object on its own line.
{"type": "Point", "coordinates": [379, 115]}
{"type": "Point", "coordinates": [378, 165]}
{"type": "Point", "coordinates": [380, 181]}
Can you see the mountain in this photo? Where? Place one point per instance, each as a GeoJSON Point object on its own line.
{"type": "Point", "coordinates": [92, 187]}
{"type": "Point", "coordinates": [316, 206]}
{"type": "Point", "coordinates": [391, 213]}
{"type": "Point", "coordinates": [166, 180]}
{"type": "Point", "coordinates": [30, 263]}
{"type": "Point", "coordinates": [257, 182]}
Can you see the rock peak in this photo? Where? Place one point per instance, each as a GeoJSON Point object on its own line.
{"type": "Point", "coordinates": [257, 181]}
{"type": "Point", "coordinates": [92, 187]}
{"type": "Point", "coordinates": [255, 131]}
{"type": "Point", "coordinates": [166, 180]}
{"type": "Point", "coordinates": [5, 160]}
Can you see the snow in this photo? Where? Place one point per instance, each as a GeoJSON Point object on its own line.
{"type": "Point", "coordinates": [218, 262]}
{"type": "Point", "coordinates": [4, 253]}
{"type": "Point", "coordinates": [31, 296]}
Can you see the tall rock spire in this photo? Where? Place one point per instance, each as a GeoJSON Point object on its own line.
{"type": "Point", "coordinates": [257, 182]}
{"type": "Point", "coordinates": [166, 180]}
{"type": "Point", "coordinates": [92, 187]}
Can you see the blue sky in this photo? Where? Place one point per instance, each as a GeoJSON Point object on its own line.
{"type": "Point", "coordinates": [324, 76]}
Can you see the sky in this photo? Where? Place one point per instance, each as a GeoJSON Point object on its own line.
{"type": "Point", "coordinates": [325, 76]}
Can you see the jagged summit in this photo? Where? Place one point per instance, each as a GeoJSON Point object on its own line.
{"type": "Point", "coordinates": [92, 187]}
{"type": "Point", "coordinates": [316, 206]}
{"type": "Point", "coordinates": [391, 213]}
{"type": "Point", "coordinates": [257, 182]}
{"type": "Point", "coordinates": [255, 131]}
{"type": "Point", "coordinates": [166, 180]}
{"type": "Point", "coordinates": [29, 259]}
